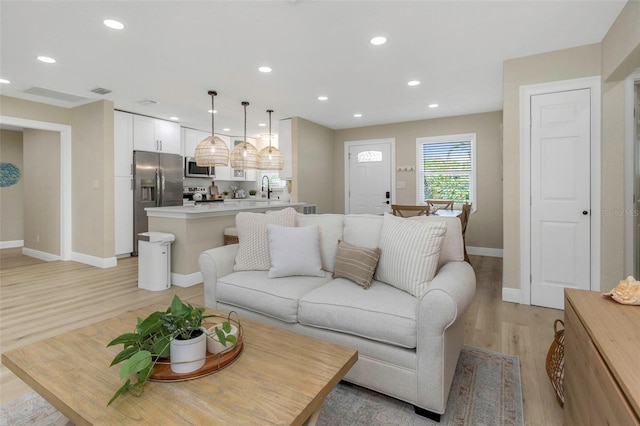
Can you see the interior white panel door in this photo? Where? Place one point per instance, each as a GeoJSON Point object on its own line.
{"type": "Point", "coordinates": [370, 178]}
{"type": "Point", "coordinates": [560, 195]}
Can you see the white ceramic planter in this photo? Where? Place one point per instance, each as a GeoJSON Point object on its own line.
{"type": "Point", "coordinates": [213, 344]}
{"type": "Point", "coordinates": [188, 355]}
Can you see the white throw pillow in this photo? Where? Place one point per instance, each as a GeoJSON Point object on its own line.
{"type": "Point", "coordinates": [409, 253]}
{"type": "Point", "coordinates": [294, 251]}
{"type": "Point", "coordinates": [253, 250]}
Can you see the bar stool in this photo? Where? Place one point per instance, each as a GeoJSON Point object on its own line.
{"type": "Point", "coordinates": [230, 236]}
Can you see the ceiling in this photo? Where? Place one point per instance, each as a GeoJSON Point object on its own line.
{"type": "Point", "coordinates": [173, 52]}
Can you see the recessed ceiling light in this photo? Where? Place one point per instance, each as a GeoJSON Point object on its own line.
{"type": "Point", "coordinates": [113, 24]}
{"type": "Point", "coordinates": [226, 129]}
{"type": "Point", "coordinates": [322, 98]}
{"type": "Point", "coordinates": [174, 118]}
{"type": "Point", "coordinates": [4, 81]}
{"type": "Point", "coordinates": [264, 69]}
{"type": "Point", "coordinates": [214, 111]}
{"type": "Point", "coordinates": [46, 59]}
{"type": "Point", "coordinates": [377, 41]}
{"type": "Point", "coordinates": [261, 125]}
{"type": "Point", "coordinates": [413, 82]}
{"type": "Point", "coordinates": [433, 105]}
{"type": "Point", "coordinates": [357, 115]}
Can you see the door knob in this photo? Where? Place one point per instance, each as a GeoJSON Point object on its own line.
{"type": "Point", "coordinates": [584, 212]}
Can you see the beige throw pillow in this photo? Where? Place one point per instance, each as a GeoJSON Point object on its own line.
{"type": "Point", "coordinates": [410, 251]}
{"type": "Point", "coordinates": [253, 251]}
{"type": "Point", "coordinates": [357, 264]}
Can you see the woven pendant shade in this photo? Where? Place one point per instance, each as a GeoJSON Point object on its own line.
{"type": "Point", "coordinates": [270, 158]}
{"type": "Point", "coordinates": [212, 151]}
{"type": "Point", "coordinates": [244, 155]}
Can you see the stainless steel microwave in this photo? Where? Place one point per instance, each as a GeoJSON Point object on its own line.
{"type": "Point", "coordinates": [191, 169]}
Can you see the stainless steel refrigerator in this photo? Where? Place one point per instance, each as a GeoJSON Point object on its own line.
{"type": "Point", "coordinates": [158, 183]}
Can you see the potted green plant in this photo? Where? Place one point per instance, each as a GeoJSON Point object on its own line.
{"type": "Point", "coordinates": [252, 193]}
{"type": "Point", "coordinates": [153, 339]}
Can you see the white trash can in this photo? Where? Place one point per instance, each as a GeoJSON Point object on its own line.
{"type": "Point", "coordinates": [154, 260]}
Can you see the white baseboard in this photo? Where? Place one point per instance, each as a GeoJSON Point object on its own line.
{"type": "Point", "coordinates": [42, 255]}
{"type": "Point", "coordinates": [181, 280]}
{"type": "Point", "coordinates": [11, 244]}
{"type": "Point", "coordinates": [99, 262]}
{"type": "Point", "coordinates": [484, 251]}
{"type": "Point", "coordinates": [513, 295]}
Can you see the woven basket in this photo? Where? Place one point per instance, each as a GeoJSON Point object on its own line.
{"type": "Point", "coordinates": [555, 361]}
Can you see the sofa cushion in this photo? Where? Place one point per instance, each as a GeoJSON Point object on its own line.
{"type": "Point", "coordinates": [255, 291]}
{"type": "Point", "coordinates": [362, 230]}
{"type": "Point", "coordinates": [330, 232]}
{"type": "Point", "coordinates": [357, 264]}
{"type": "Point", "coordinates": [410, 251]}
{"type": "Point", "coordinates": [253, 251]}
{"type": "Point", "coordinates": [382, 312]}
{"type": "Point", "coordinates": [452, 245]}
{"type": "Point", "coordinates": [294, 251]}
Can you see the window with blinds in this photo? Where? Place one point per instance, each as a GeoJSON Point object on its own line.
{"type": "Point", "coordinates": [445, 168]}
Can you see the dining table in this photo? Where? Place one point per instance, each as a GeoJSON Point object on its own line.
{"type": "Point", "coordinates": [446, 213]}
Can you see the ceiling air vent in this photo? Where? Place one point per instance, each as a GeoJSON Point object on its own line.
{"type": "Point", "coordinates": [147, 102]}
{"type": "Point", "coordinates": [101, 91]}
{"type": "Point", "coordinates": [48, 93]}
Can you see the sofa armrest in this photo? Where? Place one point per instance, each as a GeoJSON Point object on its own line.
{"type": "Point", "coordinates": [441, 330]}
{"type": "Point", "coordinates": [448, 296]}
{"type": "Point", "coordinates": [216, 263]}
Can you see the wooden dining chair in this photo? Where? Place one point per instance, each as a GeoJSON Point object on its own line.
{"type": "Point", "coordinates": [440, 204]}
{"type": "Point", "coordinates": [464, 220]}
{"type": "Point", "coordinates": [400, 210]}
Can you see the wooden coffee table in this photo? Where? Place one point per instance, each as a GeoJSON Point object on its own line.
{"type": "Point", "coordinates": [279, 378]}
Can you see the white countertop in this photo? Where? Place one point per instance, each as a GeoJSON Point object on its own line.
{"type": "Point", "coordinates": [226, 208]}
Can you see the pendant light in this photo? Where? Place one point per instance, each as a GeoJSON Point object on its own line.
{"type": "Point", "coordinates": [270, 158]}
{"type": "Point", "coordinates": [244, 155]}
{"type": "Point", "coordinates": [212, 151]}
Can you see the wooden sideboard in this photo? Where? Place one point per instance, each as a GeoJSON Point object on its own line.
{"type": "Point", "coordinates": [602, 360]}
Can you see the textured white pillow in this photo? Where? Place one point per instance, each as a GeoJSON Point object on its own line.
{"type": "Point", "coordinates": [253, 250]}
{"type": "Point", "coordinates": [409, 253]}
{"type": "Point", "coordinates": [294, 251]}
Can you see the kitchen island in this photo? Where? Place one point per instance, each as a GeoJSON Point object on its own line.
{"type": "Point", "coordinates": [201, 227]}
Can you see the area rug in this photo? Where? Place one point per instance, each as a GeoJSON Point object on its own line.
{"type": "Point", "coordinates": [486, 390]}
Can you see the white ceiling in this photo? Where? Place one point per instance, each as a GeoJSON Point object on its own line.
{"type": "Point", "coordinates": [173, 52]}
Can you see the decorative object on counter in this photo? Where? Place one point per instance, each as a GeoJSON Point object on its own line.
{"type": "Point", "coordinates": [252, 193]}
{"type": "Point", "coordinates": [212, 151]}
{"type": "Point", "coordinates": [627, 292]}
{"type": "Point", "coordinates": [153, 339]}
{"type": "Point", "coordinates": [9, 174]}
{"type": "Point", "coordinates": [270, 158]}
{"type": "Point", "coordinates": [244, 155]}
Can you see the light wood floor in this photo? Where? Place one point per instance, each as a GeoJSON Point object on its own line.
{"type": "Point", "coordinates": [42, 299]}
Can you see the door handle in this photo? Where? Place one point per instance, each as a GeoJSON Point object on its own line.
{"type": "Point", "coordinates": [584, 212]}
{"type": "Point", "coordinates": [385, 202]}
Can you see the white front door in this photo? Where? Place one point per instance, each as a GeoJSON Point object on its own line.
{"type": "Point", "coordinates": [560, 195]}
{"type": "Point", "coordinates": [368, 176]}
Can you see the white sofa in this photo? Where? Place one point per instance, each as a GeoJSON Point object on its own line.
{"type": "Point", "coordinates": [408, 347]}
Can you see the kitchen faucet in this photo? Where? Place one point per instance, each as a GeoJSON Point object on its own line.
{"type": "Point", "coordinates": [268, 186]}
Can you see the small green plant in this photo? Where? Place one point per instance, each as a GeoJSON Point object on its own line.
{"type": "Point", "coordinates": [151, 341]}
{"type": "Point", "coordinates": [252, 192]}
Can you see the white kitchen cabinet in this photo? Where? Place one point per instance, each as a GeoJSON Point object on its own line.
{"type": "Point", "coordinates": [285, 141]}
{"type": "Point", "coordinates": [122, 144]}
{"type": "Point", "coordinates": [191, 138]}
{"type": "Point", "coordinates": [123, 215]}
{"type": "Point", "coordinates": [151, 134]}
